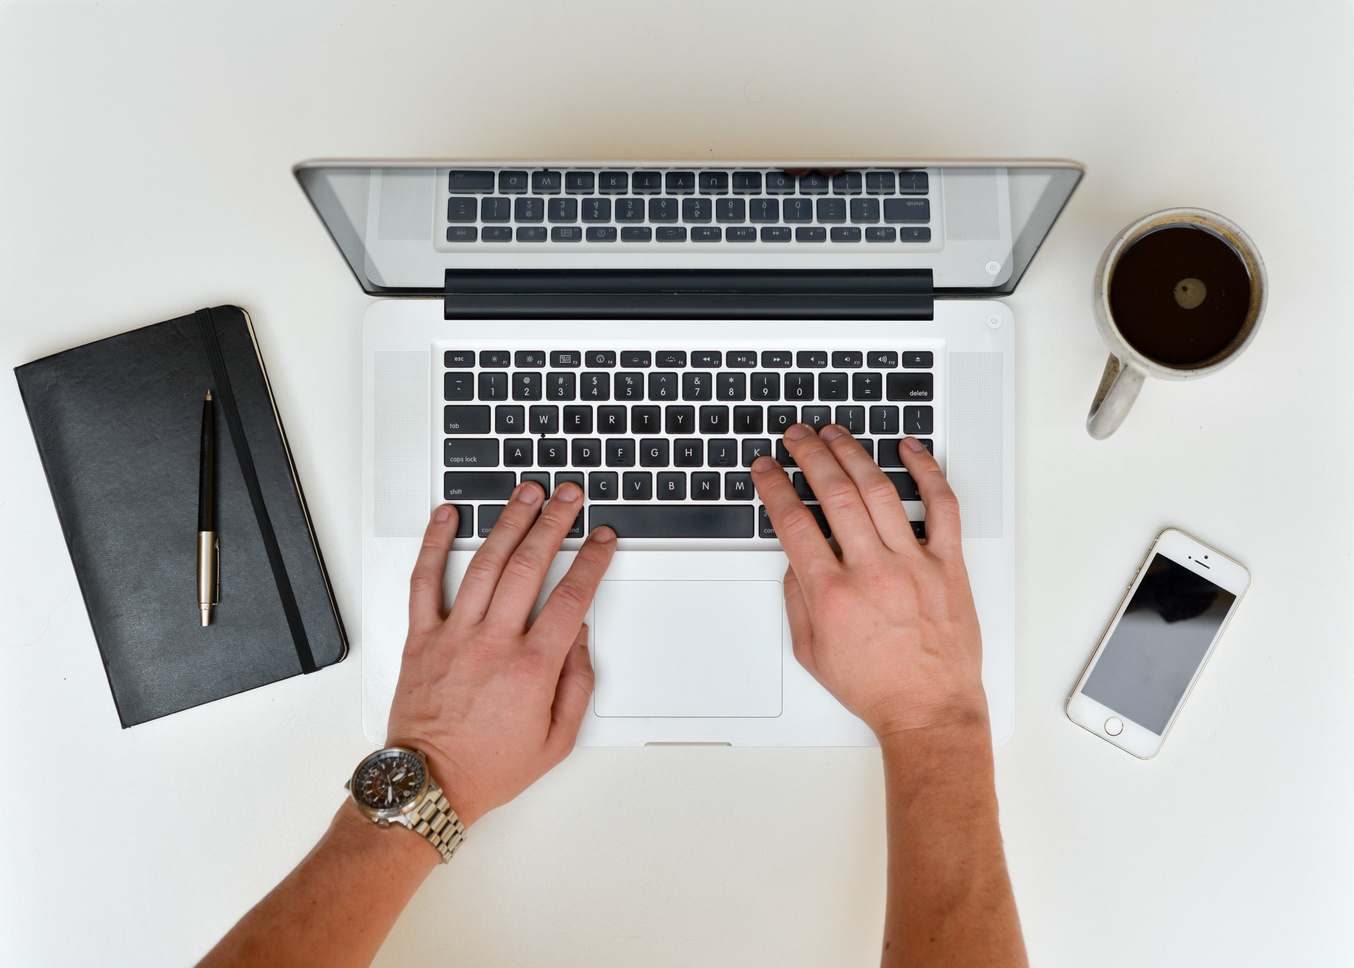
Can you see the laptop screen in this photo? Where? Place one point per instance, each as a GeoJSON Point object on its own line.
{"type": "Point", "coordinates": [974, 227]}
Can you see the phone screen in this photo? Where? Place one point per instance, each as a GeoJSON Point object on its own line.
{"type": "Point", "coordinates": [1157, 646]}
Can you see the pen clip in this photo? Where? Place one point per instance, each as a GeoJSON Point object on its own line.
{"type": "Point", "coordinates": [216, 551]}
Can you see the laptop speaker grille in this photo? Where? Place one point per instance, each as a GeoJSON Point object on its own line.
{"type": "Point", "coordinates": [977, 444]}
{"type": "Point", "coordinates": [400, 434]}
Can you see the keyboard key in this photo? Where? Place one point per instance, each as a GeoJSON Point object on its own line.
{"type": "Point", "coordinates": [459, 359]}
{"type": "Point", "coordinates": [810, 233]}
{"type": "Point", "coordinates": [531, 233]}
{"type": "Point", "coordinates": [731, 209]}
{"type": "Point", "coordinates": [721, 453]}
{"type": "Point", "coordinates": [714, 419]}
{"type": "Point", "coordinates": [637, 486]}
{"type": "Point", "coordinates": [747, 182]}
{"type": "Point", "coordinates": [493, 386]}
{"type": "Point", "coordinates": [670, 233]}
{"type": "Point", "coordinates": [845, 233]}
{"type": "Point", "coordinates": [913, 233]}
{"type": "Point", "coordinates": [611, 420]}
{"type": "Point", "coordinates": [766, 387]}
{"type": "Point", "coordinates": [629, 386]}
{"type": "Point", "coordinates": [636, 358]}
{"type": "Point", "coordinates": [698, 386]}
{"type": "Point", "coordinates": [546, 182]}
{"type": "Point", "coordinates": [465, 420]}
{"type": "Point", "coordinates": [629, 209]}
{"type": "Point", "coordinates": [832, 386]}
{"type": "Point", "coordinates": [674, 521]}
{"type": "Point", "coordinates": [781, 419]}
{"type": "Point", "coordinates": [462, 209]}
{"type": "Point", "coordinates": [747, 420]}
{"type": "Point", "coordinates": [777, 359]}
{"type": "Point", "coordinates": [741, 233]}
{"type": "Point", "coordinates": [799, 386]}
{"type": "Point", "coordinates": [867, 386]}
{"type": "Point", "coordinates": [705, 486]}
{"type": "Point", "coordinates": [707, 359]}
{"type": "Point", "coordinates": [578, 420]}
{"type": "Point", "coordinates": [922, 359]}
{"type": "Point", "coordinates": [741, 359]}
{"type": "Point", "coordinates": [663, 386]}
{"type": "Point", "coordinates": [918, 420]}
{"type": "Point", "coordinates": [594, 386]}
{"type": "Point", "coordinates": [596, 210]}
{"type": "Point", "coordinates": [571, 359]}
{"type": "Point", "coordinates": [540, 477]}
{"type": "Point", "coordinates": [636, 233]}
{"type": "Point", "coordinates": [905, 486]}
{"type": "Point", "coordinates": [526, 386]}
{"type": "Point", "coordinates": [645, 420]}
{"type": "Point", "coordinates": [907, 210]}
{"type": "Point", "coordinates": [489, 515]}
{"type": "Point", "coordinates": [811, 359]}
{"type": "Point", "coordinates": [672, 486]}
{"type": "Point", "coordinates": [706, 233]}
{"type": "Point", "coordinates": [697, 210]}
{"type": "Point", "coordinates": [564, 209]}
{"type": "Point", "coordinates": [888, 452]}
{"type": "Point", "coordinates": [496, 233]}
{"type": "Point", "coordinates": [813, 184]}
{"type": "Point", "coordinates": [653, 452]}
{"type": "Point", "coordinates": [764, 529]}
{"type": "Point", "coordinates": [579, 182]}
{"type": "Point", "coordinates": [764, 209]}
{"type": "Point", "coordinates": [517, 452]}
{"type": "Point", "coordinates": [465, 520]}
{"type": "Point", "coordinates": [714, 182]}
{"type": "Point", "coordinates": [561, 386]}
{"type": "Point", "coordinates": [600, 358]}
{"type": "Point", "coordinates": [913, 182]}
{"type": "Point", "coordinates": [865, 210]}
{"type": "Point", "coordinates": [512, 182]}
{"type": "Point", "coordinates": [847, 359]}
{"type": "Point", "coordinates": [831, 209]}
{"type": "Point", "coordinates": [510, 420]}
{"type": "Point", "coordinates": [620, 452]}
{"type": "Point", "coordinates": [529, 359]}
{"type": "Point", "coordinates": [465, 182]}
{"type": "Point", "coordinates": [688, 453]}
{"type": "Point", "coordinates": [680, 182]}
{"type": "Point", "coordinates": [882, 360]}
{"type": "Point", "coordinates": [910, 386]}
{"type": "Point", "coordinates": [553, 452]}
{"type": "Point", "coordinates": [665, 209]}
{"type": "Point", "coordinates": [879, 182]}
{"type": "Point", "coordinates": [680, 420]}
{"type": "Point", "coordinates": [738, 486]}
{"type": "Point", "coordinates": [470, 452]}
{"type": "Point", "coordinates": [543, 420]}
{"type": "Point", "coordinates": [587, 452]}
{"type": "Point", "coordinates": [754, 447]}
{"type": "Point", "coordinates": [847, 183]}
{"type": "Point", "coordinates": [458, 386]}
{"type": "Point", "coordinates": [613, 182]}
{"type": "Point", "coordinates": [880, 233]}
{"type": "Point", "coordinates": [852, 418]}
{"type": "Point", "coordinates": [883, 420]}
{"type": "Point", "coordinates": [496, 210]}
{"type": "Point", "coordinates": [802, 488]}
{"type": "Point", "coordinates": [783, 455]}
{"type": "Point", "coordinates": [603, 485]}
{"type": "Point", "coordinates": [816, 417]}
{"type": "Point", "coordinates": [478, 485]}
{"type": "Point", "coordinates": [570, 477]}
{"type": "Point", "coordinates": [798, 210]}
{"type": "Point", "coordinates": [731, 386]}
{"type": "Point", "coordinates": [497, 359]}
{"type": "Point", "coordinates": [779, 183]}
{"type": "Point", "coordinates": [646, 183]}
{"type": "Point", "coordinates": [670, 358]}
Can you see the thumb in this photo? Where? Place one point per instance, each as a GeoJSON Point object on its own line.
{"type": "Point", "coordinates": [801, 628]}
{"type": "Point", "coordinates": [571, 696]}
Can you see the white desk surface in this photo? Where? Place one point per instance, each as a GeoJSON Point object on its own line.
{"type": "Point", "coordinates": [145, 156]}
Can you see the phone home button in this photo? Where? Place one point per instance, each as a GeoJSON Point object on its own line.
{"type": "Point", "coordinates": [1114, 725]}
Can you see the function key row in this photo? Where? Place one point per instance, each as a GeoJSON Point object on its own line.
{"type": "Point", "coordinates": [699, 359]}
{"type": "Point", "coordinates": [548, 182]}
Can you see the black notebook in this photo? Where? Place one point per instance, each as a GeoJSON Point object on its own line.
{"type": "Point", "coordinates": [118, 425]}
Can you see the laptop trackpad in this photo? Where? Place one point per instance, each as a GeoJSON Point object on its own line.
{"type": "Point", "coordinates": [687, 648]}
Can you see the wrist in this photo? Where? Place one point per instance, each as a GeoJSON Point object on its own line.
{"type": "Point", "coordinates": [394, 849]}
{"type": "Point", "coordinates": [959, 748]}
{"type": "Point", "coordinates": [454, 786]}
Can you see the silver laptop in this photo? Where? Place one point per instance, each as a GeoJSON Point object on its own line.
{"type": "Point", "coordinates": [648, 330]}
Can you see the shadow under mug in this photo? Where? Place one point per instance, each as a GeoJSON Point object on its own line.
{"type": "Point", "coordinates": [1128, 366]}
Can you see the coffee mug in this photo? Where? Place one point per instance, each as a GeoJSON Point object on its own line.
{"type": "Point", "coordinates": [1178, 295]}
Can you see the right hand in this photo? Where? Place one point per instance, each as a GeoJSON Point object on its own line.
{"type": "Point", "coordinates": [888, 626]}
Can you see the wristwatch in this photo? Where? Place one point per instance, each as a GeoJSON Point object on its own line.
{"type": "Point", "coordinates": [393, 785]}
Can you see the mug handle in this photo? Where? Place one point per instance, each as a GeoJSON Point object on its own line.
{"type": "Point", "coordinates": [1119, 386]}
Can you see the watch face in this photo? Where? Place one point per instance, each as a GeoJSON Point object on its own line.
{"type": "Point", "coordinates": [389, 781]}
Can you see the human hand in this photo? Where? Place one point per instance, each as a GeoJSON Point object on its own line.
{"type": "Point", "coordinates": [493, 702]}
{"type": "Point", "coordinates": [888, 625]}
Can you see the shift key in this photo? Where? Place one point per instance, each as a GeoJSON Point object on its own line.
{"type": "Point", "coordinates": [478, 485]}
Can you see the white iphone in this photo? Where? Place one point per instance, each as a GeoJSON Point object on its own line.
{"type": "Point", "coordinates": [1167, 626]}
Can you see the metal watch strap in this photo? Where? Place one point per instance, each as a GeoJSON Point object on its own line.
{"type": "Point", "coordinates": [436, 821]}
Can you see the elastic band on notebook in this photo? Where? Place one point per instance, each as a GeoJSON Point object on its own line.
{"type": "Point", "coordinates": [251, 481]}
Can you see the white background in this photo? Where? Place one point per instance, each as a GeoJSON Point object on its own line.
{"type": "Point", "coordinates": [145, 155]}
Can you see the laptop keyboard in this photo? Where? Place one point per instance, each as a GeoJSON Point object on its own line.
{"type": "Point", "coordinates": [636, 206]}
{"type": "Point", "coordinates": [661, 441]}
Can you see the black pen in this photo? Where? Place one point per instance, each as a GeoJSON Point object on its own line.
{"type": "Point", "coordinates": [208, 551]}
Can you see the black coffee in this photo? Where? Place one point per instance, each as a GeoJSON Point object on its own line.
{"type": "Point", "coordinates": [1180, 295]}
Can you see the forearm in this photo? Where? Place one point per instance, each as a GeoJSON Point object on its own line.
{"type": "Point", "coordinates": [336, 908]}
{"type": "Point", "coordinates": [949, 894]}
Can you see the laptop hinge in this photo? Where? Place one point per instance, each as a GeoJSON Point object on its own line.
{"type": "Point", "coordinates": [689, 294]}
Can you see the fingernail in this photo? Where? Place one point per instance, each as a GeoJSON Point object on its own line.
{"type": "Point", "coordinates": [831, 432]}
{"type": "Point", "coordinates": [568, 491]}
{"type": "Point", "coordinates": [913, 444]}
{"type": "Point", "coordinates": [603, 535]}
{"type": "Point", "coordinates": [763, 464]}
{"type": "Point", "coordinates": [583, 635]}
{"type": "Point", "coordinates": [527, 493]}
{"type": "Point", "coordinates": [442, 513]}
{"type": "Point", "coordinates": [798, 431]}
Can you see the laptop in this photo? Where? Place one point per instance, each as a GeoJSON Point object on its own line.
{"type": "Point", "coordinates": [647, 330]}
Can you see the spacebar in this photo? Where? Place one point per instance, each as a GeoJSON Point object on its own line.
{"type": "Point", "coordinates": [656, 521]}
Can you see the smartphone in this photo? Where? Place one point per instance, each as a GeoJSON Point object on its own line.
{"type": "Point", "coordinates": [1167, 626]}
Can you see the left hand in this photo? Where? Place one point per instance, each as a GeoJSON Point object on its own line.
{"type": "Point", "coordinates": [495, 703]}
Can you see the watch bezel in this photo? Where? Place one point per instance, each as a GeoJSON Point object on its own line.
{"type": "Point", "coordinates": [391, 814]}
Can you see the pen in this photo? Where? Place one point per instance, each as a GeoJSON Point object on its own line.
{"type": "Point", "coordinates": [208, 551]}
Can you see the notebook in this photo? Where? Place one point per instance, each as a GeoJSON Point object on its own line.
{"type": "Point", "coordinates": [117, 425]}
{"type": "Point", "coordinates": [647, 330]}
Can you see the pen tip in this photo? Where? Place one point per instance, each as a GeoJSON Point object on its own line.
{"type": "Point", "coordinates": [209, 395]}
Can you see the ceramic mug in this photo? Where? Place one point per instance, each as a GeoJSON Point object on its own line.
{"type": "Point", "coordinates": [1187, 305]}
